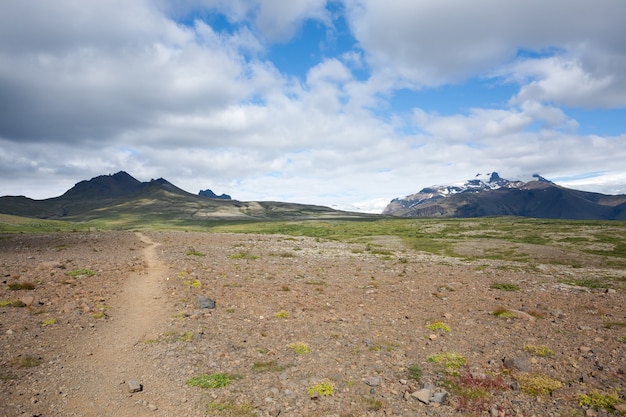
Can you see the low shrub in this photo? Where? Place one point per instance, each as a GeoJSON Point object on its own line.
{"type": "Point", "coordinates": [439, 325]}
{"type": "Point", "coordinates": [299, 348]}
{"type": "Point", "coordinates": [217, 380]}
{"type": "Point", "coordinates": [537, 384]}
{"type": "Point", "coordinates": [504, 286]}
{"type": "Point", "coordinates": [321, 389]}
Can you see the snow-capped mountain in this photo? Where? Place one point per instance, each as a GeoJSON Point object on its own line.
{"type": "Point", "coordinates": [491, 195]}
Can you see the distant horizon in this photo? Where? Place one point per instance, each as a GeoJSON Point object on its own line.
{"type": "Point", "coordinates": [456, 183]}
{"type": "Point", "coordinates": [312, 101]}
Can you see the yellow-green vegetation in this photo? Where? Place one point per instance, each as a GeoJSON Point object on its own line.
{"type": "Point", "coordinates": [373, 404]}
{"type": "Point", "coordinates": [80, 272]}
{"type": "Point", "coordinates": [193, 252]}
{"type": "Point", "coordinates": [504, 286]}
{"type": "Point", "coordinates": [623, 339]}
{"type": "Point", "coordinates": [503, 313]}
{"type": "Point", "coordinates": [272, 366]}
{"type": "Point", "coordinates": [598, 400]}
{"type": "Point", "coordinates": [452, 362]}
{"type": "Point", "coordinates": [16, 286]}
{"type": "Point", "coordinates": [281, 314]}
{"type": "Point", "coordinates": [439, 325]}
{"type": "Point", "coordinates": [539, 350]}
{"type": "Point", "coordinates": [321, 389]}
{"type": "Point", "coordinates": [537, 384]}
{"type": "Point", "coordinates": [587, 283]}
{"type": "Point", "coordinates": [612, 324]}
{"type": "Point", "coordinates": [49, 322]}
{"type": "Point", "coordinates": [230, 409]}
{"type": "Point", "coordinates": [217, 380]}
{"type": "Point", "coordinates": [186, 337]}
{"type": "Point", "coordinates": [26, 361]}
{"type": "Point", "coordinates": [194, 283]}
{"type": "Point", "coordinates": [11, 303]}
{"type": "Point", "coordinates": [243, 255]}
{"type": "Point", "coordinates": [172, 337]}
{"type": "Point", "coordinates": [17, 224]}
{"type": "Point", "coordinates": [299, 348]}
{"type": "Point", "coordinates": [101, 311]}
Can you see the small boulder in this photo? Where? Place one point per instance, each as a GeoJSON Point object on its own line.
{"type": "Point", "coordinates": [374, 381]}
{"type": "Point", "coordinates": [439, 397]}
{"type": "Point", "coordinates": [422, 395]}
{"type": "Point", "coordinates": [134, 386]}
{"type": "Point", "coordinates": [517, 363]}
{"type": "Point", "coordinates": [203, 301]}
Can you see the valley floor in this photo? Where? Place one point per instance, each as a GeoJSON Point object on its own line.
{"type": "Point", "coordinates": [83, 315]}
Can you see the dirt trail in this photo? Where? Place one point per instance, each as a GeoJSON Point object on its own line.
{"type": "Point", "coordinates": [111, 356]}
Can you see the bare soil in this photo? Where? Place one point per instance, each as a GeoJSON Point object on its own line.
{"type": "Point", "coordinates": [70, 345]}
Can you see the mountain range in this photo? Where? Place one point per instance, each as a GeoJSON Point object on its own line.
{"type": "Point", "coordinates": [491, 195]}
{"type": "Point", "coordinates": [120, 196]}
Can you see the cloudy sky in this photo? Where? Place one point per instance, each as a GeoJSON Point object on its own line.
{"type": "Point", "coordinates": [345, 103]}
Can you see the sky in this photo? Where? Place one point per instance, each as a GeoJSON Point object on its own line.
{"type": "Point", "coordinates": [342, 103]}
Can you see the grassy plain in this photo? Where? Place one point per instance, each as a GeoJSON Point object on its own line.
{"type": "Point", "coordinates": [524, 240]}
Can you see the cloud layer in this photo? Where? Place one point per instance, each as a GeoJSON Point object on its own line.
{"type": "Point", "coordinates": [163, 89]}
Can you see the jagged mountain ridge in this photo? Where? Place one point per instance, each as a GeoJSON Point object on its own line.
{"type": "Point", "coordinates": [491, 195]}
{"type": "Point", "coordinates": [210, 194]}
{"type": "Point", "coordinates": [120, 196]}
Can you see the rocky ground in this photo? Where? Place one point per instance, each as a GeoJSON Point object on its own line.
{"type": "Point", "coordinates": [300, 327]}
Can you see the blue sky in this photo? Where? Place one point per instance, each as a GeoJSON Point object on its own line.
{"type": "Point", "coordinates": [344, 103]}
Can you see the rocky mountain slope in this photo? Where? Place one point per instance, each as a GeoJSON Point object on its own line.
{"type": "Point", "coordinates": [491, 195]}
{"type": "Point", "coordinates": [122, 197]}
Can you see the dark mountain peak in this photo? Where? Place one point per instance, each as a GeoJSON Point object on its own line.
{"type": "Point", "coordinates": [210, 194]}
{"type": "Point", "coordinates": [104, 186]}
{"type": "Point", "coordinates": [541, 179]}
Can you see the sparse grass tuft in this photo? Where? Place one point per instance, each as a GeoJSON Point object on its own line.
{"type": "Point", "coordinates": [299, 348]}
{"type": "Point", "coordinates": [80, 272]}
{"type": "Point", "coordinates": [16, 286]}
{"type": "Point", "coordinates": [49, 322]}
{"type": "Point", "coordinates": [217, 380]}
{"type": "Point", "coordinates": [186, 337]}
{"type": "Point", "coordinates": [193, 252]}
{"type": "Point", "coordinates": [587, 283]}
{"type": "Point", "coordinates": [415, 372]}
{"type": "Point", "coordinates": [598, 400]}
{"type": "Point", "coordinates": [12, 303]}
{"type": "Point", "coordinates": [26, 361]}
{"type": "Point", "coordinates": [373, 404]}
{"type": "Point", "coordinates": [321, 389]}
{"type": "Point", "coordinates": [194, 283]}
{"type": "Point", "coordinates": [243, 255]}
{"type": "Point", "coordinates": [503, 313]}
{"type": "Point", "coordinates": [537, 384]}
{"type": "Point", "coordinates": [281, 314]}
{"type": "Point", "coordinates": [612, 324]}
{"type": "Point", "coordinates": [504, 286]}
{"type": "Point", "coordinates": [538, 350]}
{"type": "Point", "coordinates": [272, 366]}
{"type": "Point", "coordinates": [452, 362]}
{"type": "Point", "coordinates": [232, 409]}
{"type": "Point", "coordinates": [439, 325]}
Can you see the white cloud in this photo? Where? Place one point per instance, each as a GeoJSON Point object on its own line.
{"type": "Point", "coordinates": [433, 43]}
{"type": "Point", "coordinates": [565, 81]}
{"type": "Point", "coordinates": [100, 88]}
